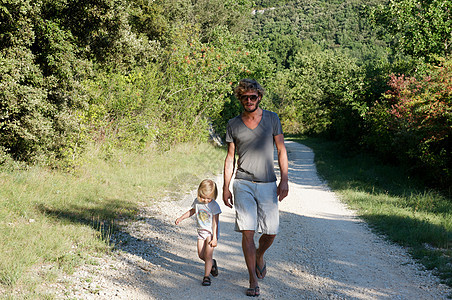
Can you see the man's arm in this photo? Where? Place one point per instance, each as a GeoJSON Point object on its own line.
{"type": "Point", "coordinates": [227, 174]}
{"type": "Point", "coordinates": [283, 161]}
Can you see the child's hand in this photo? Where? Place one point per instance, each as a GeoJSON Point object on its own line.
{"type": "Point", "coordinates": [177, 221]}
{"type": "Point", "coordinates": [213, 243]}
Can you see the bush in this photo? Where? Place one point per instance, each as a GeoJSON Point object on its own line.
{"type": "Point", "coordinates": [25, 130]}
{"type": "Point", "coordinates": [413, 123]}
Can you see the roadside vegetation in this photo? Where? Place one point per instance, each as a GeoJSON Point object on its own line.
{"type": "Point", "coordinates": [394, 204]}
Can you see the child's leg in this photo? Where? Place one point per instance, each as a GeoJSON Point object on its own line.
{"type": "Point", "coordinates": [205, 252]}
{"type": "Point", "coordinates": [201, 249]}
{"type": "Point", "coordinates": [208, 254]}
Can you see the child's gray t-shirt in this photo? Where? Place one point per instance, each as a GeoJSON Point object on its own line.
{"type": "Point", "coordinates": [205, 213]}
{"type": "Point", "coordinates": [255, 147]}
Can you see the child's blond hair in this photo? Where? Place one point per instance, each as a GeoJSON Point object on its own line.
{"type": "Point", "coordinates": [207, 189]}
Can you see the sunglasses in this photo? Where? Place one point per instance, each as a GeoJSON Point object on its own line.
{"type": "Point", "coordinates": [246, 97]}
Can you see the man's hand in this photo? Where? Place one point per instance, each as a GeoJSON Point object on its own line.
{"type": "Point", "coordinates": [283, 190]}
{"type": "Point", "coordinates": [227, 198]}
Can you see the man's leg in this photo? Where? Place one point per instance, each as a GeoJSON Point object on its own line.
{"type": "Point", "coordinates": [249, 251]}
{"type": "Point", "coordinates": [268, 220]}
{"type": "Point", "coordinates": [265, 242]}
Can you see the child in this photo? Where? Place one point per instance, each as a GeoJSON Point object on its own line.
{"type": "Point", "coordinates": [207, 213]}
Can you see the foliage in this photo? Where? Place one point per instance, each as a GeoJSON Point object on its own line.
{"type": "Point", "coordinates": [305, 88]}
{"type": "Point", "coordinates": [102, 31]}
{"type": "Point", "coordinates": [231, 14]}
{"type": "Point", "coordinates": [282, 49]}
{"type": "Point", "coordinates": [172, 101]}
{"type": "Point", "coordinates": [330, 24]}
{"type": "Point", "coordinates": [148, 18]}
{"type": "Point", "coordinates": [423, 28]}
{"type": "Point", "coordinates": [317, 90]}
{"type": "Point", "coordinates": [45, 56]}
{"type": "Point", "coordinates": [413, 122]}
{"type": "Point", "coordinates": [123, 112]}
{"type": "Point", "coordinates": [195, 71]}
{"type": "Point", "coordinates": [269, 3]}
{"type": "Point", "coordinates": [127, 73]}
{"type": "Point", "coordinates": [135, 73]}
{"type": "Point", "coordinates": [39, 92]}
{"type": "Point", "coordinates": [24, 129]}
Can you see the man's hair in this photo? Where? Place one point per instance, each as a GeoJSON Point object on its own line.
{"type": "Point", "coordinates": [207, 189]}
{"type": "Point", "coordinates": [246, 85]}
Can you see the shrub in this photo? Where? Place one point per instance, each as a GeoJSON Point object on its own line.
{"type": "Point", "coordinates": [413, 122]}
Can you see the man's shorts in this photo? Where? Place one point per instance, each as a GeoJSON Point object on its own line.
{"type": "Point", "coordinates": [256, 206]}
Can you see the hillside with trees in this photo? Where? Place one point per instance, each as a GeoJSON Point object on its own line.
{"type": "Point", "coordinates": [134, 74]}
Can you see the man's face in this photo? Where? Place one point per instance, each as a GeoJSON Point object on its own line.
{"type": "Point", "coordinates": [250, 101]}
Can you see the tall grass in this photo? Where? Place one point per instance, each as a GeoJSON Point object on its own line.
{"type": "Point", "coordinates": [59, 218]}
{"type": "Point", "coordinates": [395, 205]}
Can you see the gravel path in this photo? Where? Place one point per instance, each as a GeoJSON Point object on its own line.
{"type": "Point", "coordinates": [323, 251]}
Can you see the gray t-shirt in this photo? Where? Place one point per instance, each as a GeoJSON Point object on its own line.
{"type": "Point", "coordinates": [205, 213]}
{"type": "Point", "coordinates": [255, 147]}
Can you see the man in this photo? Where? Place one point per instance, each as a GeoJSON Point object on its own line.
{"type": "Point", "coordinates": [252, 135]}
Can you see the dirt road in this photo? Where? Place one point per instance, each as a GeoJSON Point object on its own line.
{"type": "Point", "coordinates": [323, 251]}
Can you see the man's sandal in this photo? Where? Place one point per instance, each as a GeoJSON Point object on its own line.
{"type": "Point", "coordinates": [253, 292]}
{"type": "Point", "coordinates": [206, 281]}
{"type": "Point", "coordinates": [214, 270]}
{"type": "Point", "coordinates": [261, 272]}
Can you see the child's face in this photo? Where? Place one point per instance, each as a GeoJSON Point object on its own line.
{"type": "Point", "coordinates": [205, 200]}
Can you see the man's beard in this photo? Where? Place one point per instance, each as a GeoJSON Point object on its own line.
{"type": "Point", "coordinates": [254, 109]}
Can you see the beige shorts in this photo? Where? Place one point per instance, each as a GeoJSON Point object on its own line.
{"type": "Point", "coordinates": [256, 206]}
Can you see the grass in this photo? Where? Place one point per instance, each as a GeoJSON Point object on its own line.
{"type": "Point", "coordinates": [58, 220]}
{"type": "Point", "coordinates": [394, 205]}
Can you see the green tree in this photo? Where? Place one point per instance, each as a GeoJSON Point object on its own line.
{"type": "Point", "coordinates": [48, 48]}
{"type": "Point", "coordinates": [423, 28]}
{"type": "Point", "coordinates": [321, 93]}
{"type": "Point", "coordinates": [231, 14]}
{"type": "Point", "coordinates": [38, 81]}
{"type": "Point", "coordinates": [148, 17]}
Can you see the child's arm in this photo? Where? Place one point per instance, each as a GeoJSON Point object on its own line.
{"type": "Point", "coordinates": [187, 214]}
{"type": "Point", "coordinates": [215, 221]}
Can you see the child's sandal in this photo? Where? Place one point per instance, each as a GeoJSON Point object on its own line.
{"type": "Point", "coordinates": [206, 281]}
{"type": "Point", "coordinates": [214, 270]}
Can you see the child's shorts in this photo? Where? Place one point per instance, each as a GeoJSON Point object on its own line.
{"type": "Point", "coordinates": [256, 206]}
{"type": "Point", "coordinates": [203, 234]}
